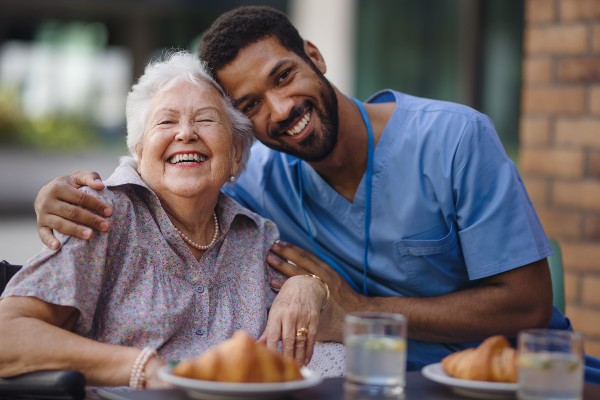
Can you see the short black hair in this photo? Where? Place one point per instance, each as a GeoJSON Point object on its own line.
{"type": "Point", "coordinates": [236, 29]}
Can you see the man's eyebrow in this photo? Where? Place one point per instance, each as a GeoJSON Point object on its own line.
{"type": "Point", "coordinates": [237, 102]}
{"type": "Point", "coordinates": [272, 72]}
{"type": "Point", "coordinates": [277, 67]}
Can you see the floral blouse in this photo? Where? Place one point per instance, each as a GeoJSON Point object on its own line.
{"type": "Point", "coordinates": [140, 285]}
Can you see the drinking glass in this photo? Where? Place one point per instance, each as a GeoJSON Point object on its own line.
{"type": "Point", "coordinates": [375, 353]}
{"type": "Point", "coordinates": [550, 364]}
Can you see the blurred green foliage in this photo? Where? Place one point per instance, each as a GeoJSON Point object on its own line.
{"type": "Point", "coordinates": [48, 132]}
{"type": "Point", "coordinates": [11, 119]}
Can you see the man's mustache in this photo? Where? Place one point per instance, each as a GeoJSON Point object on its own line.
{"type": "Point", "coordinates": [286, 124]}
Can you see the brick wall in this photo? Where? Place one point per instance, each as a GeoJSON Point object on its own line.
{"type": "Point", "coordinates": [560, 144]}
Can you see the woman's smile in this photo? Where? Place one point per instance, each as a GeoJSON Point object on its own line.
{"type": "Point", "coordinates": [187, 158]}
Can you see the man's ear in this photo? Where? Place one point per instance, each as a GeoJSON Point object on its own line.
{"type": "Point", "coordinates": [315, 56]}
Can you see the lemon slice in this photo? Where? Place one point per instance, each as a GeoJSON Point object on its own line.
{"type": "Point", "coordinates": [539, 362]}
{"type": "Point", "coordinates": [383, 343]}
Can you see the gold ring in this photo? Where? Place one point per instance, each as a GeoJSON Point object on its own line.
{"type": "Point", "coordinates": [301, 332]}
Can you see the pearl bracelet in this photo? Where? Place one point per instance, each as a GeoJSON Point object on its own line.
{"type": "Point", "coordinates": [326, 289]}
{"type": "Point", "coordinates": [138, 377]}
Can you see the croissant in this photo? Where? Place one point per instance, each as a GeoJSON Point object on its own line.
{"type": "Point", "coordinates": [240, 359]}
{"type": "Point", "coordinates": [493, 360]}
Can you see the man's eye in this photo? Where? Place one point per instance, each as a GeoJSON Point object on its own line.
{"type": "Point", "coordinates": [251, 105]}
{"type": "Point", "coordinates": [284, 75]}
{"type": "Point", "coordinates": [166, 122]}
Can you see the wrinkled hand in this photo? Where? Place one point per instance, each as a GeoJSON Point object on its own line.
{"type": "Point", "coordinates": [59, 205]}
{"type": "Point", "coordinates": [343, 299]}
{"type": "Point", "coordinates": [152, 379]}
{"type": "Point", "coordinates": [298, 305]}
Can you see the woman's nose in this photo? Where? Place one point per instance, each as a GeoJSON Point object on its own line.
{"type": "Point", "coordinates": [186, 132]}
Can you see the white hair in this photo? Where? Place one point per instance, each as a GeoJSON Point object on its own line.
{"type": "Point", "coordinates": [179, 65]}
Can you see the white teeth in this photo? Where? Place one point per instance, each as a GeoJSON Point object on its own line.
{"type": "Point", "coordinates": [299, 126]}
{"type": "Point", "coordinates": [195, 157]}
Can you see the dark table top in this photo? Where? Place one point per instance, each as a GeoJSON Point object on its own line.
{"type": "Point", "coordinates": [417, 388]}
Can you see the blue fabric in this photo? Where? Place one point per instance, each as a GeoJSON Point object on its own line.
{"type": "Point", "coordinates": [448, 208]}
{"type": "Point", "coordinates": [592, 369]}
{"type": "Point", "coordinates": [592, 364]}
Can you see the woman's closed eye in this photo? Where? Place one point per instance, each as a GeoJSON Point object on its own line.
{"type": "Point", "coordinates": [207, 116]}
{"type": "Point", "coordinates": [205, 121]}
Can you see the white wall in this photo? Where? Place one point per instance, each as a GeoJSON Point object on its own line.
{"type": "Point", "coordinates": [330, 25]}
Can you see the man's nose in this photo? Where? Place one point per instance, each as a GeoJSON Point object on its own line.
{"type": "Point", "coordinates": [279, 105]}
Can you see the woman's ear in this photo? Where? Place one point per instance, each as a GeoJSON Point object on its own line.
{"type": "Point", "coordinates": [237, 156]}
{"type": "Point", "coordinates": [315, 56]}
{"type": "Point", "coordinates": [138, 153]}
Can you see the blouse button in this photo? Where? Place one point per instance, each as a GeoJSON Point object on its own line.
{"type": "Point", "coordinates": [200, 289]}
{"type": "Point", "coordinates": [200, 332]}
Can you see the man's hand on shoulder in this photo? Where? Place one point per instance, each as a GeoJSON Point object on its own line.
{"type": "Point", "coordinates": [60, 206]}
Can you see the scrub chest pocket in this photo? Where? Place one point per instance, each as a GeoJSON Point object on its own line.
{"type": "Point", "coordinates": [432, 267]}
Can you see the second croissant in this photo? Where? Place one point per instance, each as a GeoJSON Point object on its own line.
{"type": "Point", "coordinates": [493, 360]}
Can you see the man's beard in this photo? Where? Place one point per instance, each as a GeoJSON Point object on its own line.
{"type": "Point", "coordinates": [315, 147]}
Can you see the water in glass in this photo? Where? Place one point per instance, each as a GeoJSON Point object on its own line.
{"type": "Point", "coordinates": [376, 360]}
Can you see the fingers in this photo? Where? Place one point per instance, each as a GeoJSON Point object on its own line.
{"type": "Point", "coordinates": [59, 203]}
{"type": "Point", "coordinates": [86, 178]}
{"type": "Point", "coordinates": [298, 342]}
{"type": "Point", "coordinates": [48, 238]}
{"type": "Point", "coordinates": [292, 260]}
{"type": "Point", "coordinates": [276, 284]}
{"type": "Point", "coordinates": [285, 266]}
{"type": "Point", "coordinates": [294, 318]}
{"type": "Point", "coordinates": [48, 222]}
{"type": "Point", "coordinates": [306, 337]}
{"type": "Point", "coordinates": [91, 179]}
{"type": "Point", "coordinates": [288, 341]}
{"type": "Point", "coordinates": [311, 339]}
{"type": "Point", "coordinates": [285, 330]}
{"type": "Point", "coordinates": [300, 345]}
{"type": "Point", "coordinates": [280, 328]}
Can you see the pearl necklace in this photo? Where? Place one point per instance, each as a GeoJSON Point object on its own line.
{"type": "Point", "coordinates": [199, 246]}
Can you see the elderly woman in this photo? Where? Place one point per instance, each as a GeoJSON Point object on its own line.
{"type": "Point", "coordinates": [182, 267]}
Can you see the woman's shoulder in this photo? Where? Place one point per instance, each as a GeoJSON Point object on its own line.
{"type": "Point", "coordinates": [113, 196]}
{"type": "Point", "coordinates": [121, 195]}
{"type": "Point", "coordinates": [234, 214]}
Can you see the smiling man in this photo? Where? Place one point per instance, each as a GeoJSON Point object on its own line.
{"type": "Point", "coordinates": [400, 203]}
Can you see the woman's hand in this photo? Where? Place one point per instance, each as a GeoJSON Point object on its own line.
{"type": "Point", "coordinates": [59, 205]}
{"type": "Point", "coordinates": [151, 371]}
{"type": "Point", "coordinates": [294, 317]}
{"type": "Point", "coordinates": [292, 261]}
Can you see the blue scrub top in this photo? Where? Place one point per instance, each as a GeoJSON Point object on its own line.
{"type": "Point", "coordinates": [448, 207]}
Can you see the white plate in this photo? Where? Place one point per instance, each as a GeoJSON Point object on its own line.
{"type": "Point", "coordinates": [470, 388]}
{"type": "Point", "coordinates": [200, 389]}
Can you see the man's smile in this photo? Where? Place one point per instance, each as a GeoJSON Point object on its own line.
{"type": "Point", "coordinates": [300, 125]}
